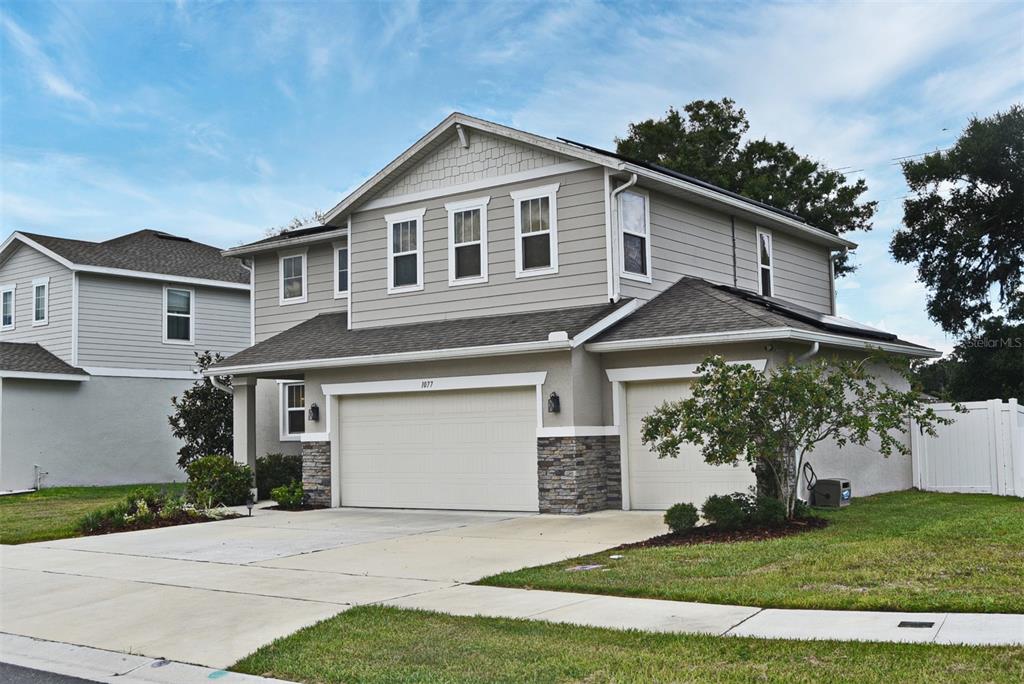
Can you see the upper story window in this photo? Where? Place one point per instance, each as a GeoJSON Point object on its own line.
{"type": "Point", "coordinates": [178, 328]}
{"type": "Point", "coordinates": [765, 264]}
{"type": "Point", "coordinates": [635, 235]}
{"type": "Point", "coordinates": [292, 269]}
{"type": "Point", "coordinates": [405, 251]}
{"type": "Point", "coordinates": [535, 216]}
{"type": "Point", "coordinates": [40, 301]}
{"type": "Point", "coordinates": [467, 241]}
{"type": "Point", "coordinates": [7, 307]}
{"type": "Point", "coordinates": [293, 410]}
{"type": "Point", "coordinates": [341, 269]}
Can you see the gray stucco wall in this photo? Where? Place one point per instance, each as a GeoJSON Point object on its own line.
{"type": "Point", "coordinates": [268, 422]}
{"type": "Point", "coordinates": [100, 432]}
{"type": "Point", "coordinates": [22, 266]}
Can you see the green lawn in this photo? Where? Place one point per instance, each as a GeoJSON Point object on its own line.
{"type": "Point", "coordinates": [376, 644]}
{"type": "Point", "coordinates": [914, 551]}
{"type": "Point", "coordinates": [53, 513]}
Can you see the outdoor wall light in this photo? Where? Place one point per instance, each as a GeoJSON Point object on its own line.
{"type": "Point", "coordinates": [554, 405]}
{"type": "Point", "coordinates": [314, 413]}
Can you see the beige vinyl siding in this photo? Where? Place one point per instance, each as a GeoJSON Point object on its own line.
{"type": "Point", "coordinates": [121, 323]}
{"type": "Point", "coordinates": [21, 268]}
{"type": "Point", "coordinates": [271, 316]}
{"type": "Point", "coordinates": [581, 277]}
{"type": "Point", "coordinates": [802, 272]}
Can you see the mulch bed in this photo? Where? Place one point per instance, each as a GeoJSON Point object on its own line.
{"type": "Point", "coordinates": [708, 534]}
{"type": "Point", "coordinates": [293, 509]}
{"type": "Point", "coordinates": [157, 523]}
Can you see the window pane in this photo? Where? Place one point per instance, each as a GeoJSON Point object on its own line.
{"type": "Point", "coordinates": [179, 328]}
{"type": "Point", "coordinates": [467, 226]}
{"type": "Point", "coordinates": [403, 237]}
{"type": "Point", "coordinates": [8, 306]}
{"type": "Point", "coordinates": [537, 251]}
{"type": "Point", "coordinates": [766, 249]}
{"type": "Point", "coordinates": [634, 214]}
{"type": "Point", "coordinates": [296, 396]}
{"type": "Point", "coordinates": [296, 422]}
{"type": "Point", "coordinates": [467, 261]}
{"type": "Point", "coordinates": [766, 282]}
{"type": "Point", "coordinates": [534, 215]}
{"type": "Point", "coordinates": [405, 270]}
{"type": "Point", "coordinates": [292, 267]}
{"type": "Point", "coordinates": [179, 302]}
{"type": "Point", "coordinates": [343, 270]}
{"type": "Point", "coordinates": [40, 302]}
{"type": "Point", "coordinates": [292, 288]}
{"type": "Point", "coordinates": [634, 253]}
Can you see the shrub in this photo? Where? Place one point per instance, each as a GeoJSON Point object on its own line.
{"type": "Point", "coordinates": [682, 517]}
{"type": "Point", "coordinates": [274, 470]}
{"type": "Point", "coordinates": [727, 511]}
{"type": "Point", "coordinates": [802, 509]}
{"type": "Point", "coordinates": [140, 509]}
{"type": "Point", "coordinates": [289, 495]}
{"type": "Point", "coordinates": [217, 480]}
{"type": "Point", "coordinates": [768, 512]}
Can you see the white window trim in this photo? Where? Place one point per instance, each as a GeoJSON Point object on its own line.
{"type": "Point", "coordinates": [45, 282]}
{"type": "Point", "coordinates": [401, 217]}
{"type": "Point", "coordinates": [280, 277]}
{"type": "Point", "coordinates": [284, 435]}
{"type": "Point", "coordinates": [13, 289]}
{"type": "Point", "coordinates": [191, 341]}
{"type": "Point", "coordinates": [629, 275]}
{"type": "Point", "coordinates": [520, 196]}
{"type": "Point", "coordinates": [771, 260]}
{"type": "Point", "coordinates": [339, 294]}
{"type": "Point", "coordinates": [453, 208]}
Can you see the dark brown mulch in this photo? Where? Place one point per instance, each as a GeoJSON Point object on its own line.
{"type": "Point", "coordinates": [158, 522]}
{"type": "Point", "coordinates": [709, 534]}
{"type": "Point", "coordinates": [293, 509]}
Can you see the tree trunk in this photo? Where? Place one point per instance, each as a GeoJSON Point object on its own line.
{"type": "Point", "coordinates": [767, 484]}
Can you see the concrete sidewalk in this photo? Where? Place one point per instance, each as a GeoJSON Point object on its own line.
{"type": "Point", "coordinates": [617, 612]}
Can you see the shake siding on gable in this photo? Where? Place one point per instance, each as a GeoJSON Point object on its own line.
{"type": "Point", "coordinates": [581, 258]}
{"type": "Point", "coordinates": [21, 268]}
{"type": "Point", "coordinates": [121, 324]}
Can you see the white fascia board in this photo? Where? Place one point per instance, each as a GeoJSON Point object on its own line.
{"type": "Point", "coordinates": [680, 371]}
{"type": "Point", "coordinates": [106, 372]}
{"type": "Point", "coordinates": [25, 375]}
{"type": "Point", "coordinates": [579, 431]}
{"type": "Point", "coordinates": [403, 357]}
{"type": "Point", "coordinates": [430, 384]}
{"type": "Point", "coordinates": [38, 247]}
{"type": "Point", "coordinates": [606, 322]}
{"type": "Point", "coordinates": [243, 250]}
{"type": "Point", "coordinates": [804, 229]}
{"type": "Point", "coordinates": [757, 335]}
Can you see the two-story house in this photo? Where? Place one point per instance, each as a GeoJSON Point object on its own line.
{"type": "Point", "coordinates": [95, 339]}
{"type": "Point", "coordinates": [484, 323]}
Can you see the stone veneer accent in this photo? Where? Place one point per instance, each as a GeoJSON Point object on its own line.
{"type": "Point", "coordinates": [316, 473]}
{"type": "Point", "coordinates": [578, 474]}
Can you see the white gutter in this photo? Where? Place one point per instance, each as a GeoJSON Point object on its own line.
{"type": "Point", "coordinates": [26, 375]}
{"type": "Point", "coordinates": [616, 240]}
{"type": "Point", "coordinates": [756, 335]}
{"type": "Point", "coordinates": [287, 242]}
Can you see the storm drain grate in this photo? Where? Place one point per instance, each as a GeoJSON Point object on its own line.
{"type": "Point", "coordinates": [911, 624]}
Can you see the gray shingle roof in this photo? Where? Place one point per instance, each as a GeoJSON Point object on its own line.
{"type": "Point", "coordinates": [150, 251]}
{"type": "Point", "coordinates": [327, 336]}
{"type": "Point", "coordinates": [23, 357]}
{"type": "Point", "coordinates": [693, 306]}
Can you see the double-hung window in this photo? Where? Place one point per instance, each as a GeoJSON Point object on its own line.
{"type": "Point", "coordinates": [7, 307]}
{"type": "Point", "coordinates": [292, 269]}
{"type": "Point", "coordinates": [178, 315]}
{"type": "Point", "coordinates": [467, 241]}
{"type": "Point", "coordinates": [40, 301]}
{"type": "Point", "coordinates": [765, 264]}
{"type": "Point", "coordinates": [536, 227]}
{"type": "Point", "coordinates": [635, 235]}
{"type": "Point", "coordinates": [405, 251]}
{"type": "Point", "coordinates": [293, 410]}
{"type": "Point", "coordinates": [341, 268]}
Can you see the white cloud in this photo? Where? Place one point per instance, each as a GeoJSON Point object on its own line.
{"type": "Point", "coordinates": [42, 66]}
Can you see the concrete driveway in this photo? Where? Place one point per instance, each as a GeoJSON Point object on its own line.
{"type": "Point", "coordinates": [213, 592]}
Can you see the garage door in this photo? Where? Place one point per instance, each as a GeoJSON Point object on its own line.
{"type": "Point", "coordinates": [657, 483]}
{"type": "Point", "coordinates": [472, 450]}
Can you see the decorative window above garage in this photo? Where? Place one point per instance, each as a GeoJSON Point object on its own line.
{"type": "Point", "coordinates": [467, 241]}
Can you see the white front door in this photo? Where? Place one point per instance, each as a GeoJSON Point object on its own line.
{"type": "Point", "coordinates": [657, 483]}
{"type": "Point", "coordinates": [461, 449]}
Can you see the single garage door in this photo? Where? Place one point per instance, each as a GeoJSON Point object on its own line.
{"type": "Point", "coordinates": [467, 449]}
{"type": "Point", "coordinates": [657, 483]}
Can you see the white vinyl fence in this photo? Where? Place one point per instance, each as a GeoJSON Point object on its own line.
{"type": "Point", "coordinates": [982, 451]}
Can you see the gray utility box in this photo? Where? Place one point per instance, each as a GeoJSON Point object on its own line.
{"type": "Point", "coordinates": [831, 493]}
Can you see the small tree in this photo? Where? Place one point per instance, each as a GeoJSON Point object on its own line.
{"type": "Point", "coordinates": [202, 418]}
{"type": "Point", "coordinates": [772, 420]}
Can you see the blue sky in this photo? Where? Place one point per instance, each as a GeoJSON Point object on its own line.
{"type": "Point", "coordinates": [220, 120]}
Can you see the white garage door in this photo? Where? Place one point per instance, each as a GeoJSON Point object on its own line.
{"type": "Point", "coordinates": [471, 450]}
{"type": "Point", "coordinates": [657, 483]}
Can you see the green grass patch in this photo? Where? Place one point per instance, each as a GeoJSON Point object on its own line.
{"type": "Point", "coordinates": [377, 644]}
{"type": "Point", "coordinates": [908, 551]}
{"type": "Point", "coordinates": [54, 513]}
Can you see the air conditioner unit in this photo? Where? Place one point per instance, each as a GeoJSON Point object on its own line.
{"type": "Point", "coordinates": [832, 493]}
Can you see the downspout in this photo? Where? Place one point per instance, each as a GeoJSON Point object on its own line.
{"type": "Point", "coordinates": [616, 239]}
{"type": "Point", "coordinates": [813, 351]}
{"type": "Point", "coordinates": [224, 388]}
{"type": "Point", "coordinates": [801, 489]}
{"type": "Point", "coordinates": [735, 275]}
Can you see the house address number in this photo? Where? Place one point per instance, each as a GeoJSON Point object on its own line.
{"type": "Point", "coordinates": [424, 384]}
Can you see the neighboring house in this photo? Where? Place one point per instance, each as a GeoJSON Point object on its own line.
{"type": "Point", "coordinates": [95, 339]}
{"type": "Point", "coordinates": [484, 323]}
